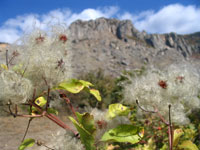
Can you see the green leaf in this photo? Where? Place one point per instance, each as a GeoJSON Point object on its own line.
{"type": "Point", "coordinates": [177, 134]}
{"type": "Point", "coordinates": [86, 83]}
{"type": "Point", "coordinates": [26, 143]}
{"type": "Point", "coordinates": [96, 94]}
{"type": "Point", "coordinates": [123, 133]}
{"type": "Point", "coordinates": [87, 121]}
{"type": "Point", "coordinates": [73, 86]}
{"type": "Point", "coordinates": [188, 145]}
{"type": "Point", "coordinates": [86, 138]}
{"type": "Point", "coordinates": [52, 111]}
{"type": "Point", "coordinates": [117, 110]}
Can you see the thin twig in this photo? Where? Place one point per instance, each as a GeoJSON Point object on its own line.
{"type": "Point", "coordinates": [45, 80]}
{"type": "Point", "coordinates": [150, 111]}
{"type": "Point", "coordinates": [67, 100]}
{"type": "Point", "coordinates": [155, 111]}
{"type": "Point", "coordinates": [48, 147]}
{"type": "Point", "coordinates": [10, 110]}
{"type": "Point", "coordinates": [24, 71]}
{"type": "Point", "coordinates": [16, 109]}
{"type": "Point", "coordinates": [170, 129]}
{"type": "Point", "coordinates": [14, 54]}
{"type": "Point", "coordinates": [7, 59]}
{"type": "Point", "coordinates": [29, 122]}
{"type": "Point", "coordinates": [48, 98]}
{"type": "Point", "coordinates": [39, 143]}
{"type": "Point", "coordinates": [33, 99]}
{"type": "Point", "coordinates": [162, 118]}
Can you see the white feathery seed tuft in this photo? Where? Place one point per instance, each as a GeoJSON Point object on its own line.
{"type": "Point", "coordinates": [178, 85]}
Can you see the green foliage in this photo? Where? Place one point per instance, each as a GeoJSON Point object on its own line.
{"type": "Point", "coordinates": [52, 111]}
{"type": "Point", "coordinates": [109, 87]}
{"type": "Point", "coordinates": [75, 86]}
{"type": "Point", "coordinates": [86, 129]}
{"type": "Point", "coordinates": [26, 143]}
{"type": "Point", "coordinates": [107, 90]}
{"type": "Point", "coordinates": [123, 133]}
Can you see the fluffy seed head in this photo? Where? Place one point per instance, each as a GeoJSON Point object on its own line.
{"type": "Point", "coordinates": [45, 58]}
{"type": "Point", "coordinates": [14, 87]}
{"type": "Point", "coordinates": [178, 85]}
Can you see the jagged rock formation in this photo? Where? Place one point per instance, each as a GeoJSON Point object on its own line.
{"type": "Point", "coordinates": [115, 45]}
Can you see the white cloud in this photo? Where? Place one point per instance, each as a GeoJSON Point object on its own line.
{"type": "Point", "coordinates": [9, 35]}
{"type": "Point", "coordinates": [172, 18]}
{"type": "Point", "coordinates": [12, 29]}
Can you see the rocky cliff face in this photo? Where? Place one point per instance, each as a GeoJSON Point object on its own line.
{"type": "Point", "coordinates": [115, 45]}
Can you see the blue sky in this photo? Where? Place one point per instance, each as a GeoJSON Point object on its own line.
{"type": "Point", "coordinates": [154, 16]}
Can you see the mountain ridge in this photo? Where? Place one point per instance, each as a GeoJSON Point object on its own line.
{"type": "Point", "coordinates": [116, 45]}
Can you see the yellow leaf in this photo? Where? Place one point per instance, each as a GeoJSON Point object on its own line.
{"type": "Point", "coordinates": [4, 67]}
{"type": "Point", "coordinates": [96, 94]}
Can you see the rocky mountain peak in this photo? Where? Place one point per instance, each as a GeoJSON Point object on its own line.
{"type": "Point", "coordinates": [102, 27]}
{"type": "Point", "coordinates": [116, 45]}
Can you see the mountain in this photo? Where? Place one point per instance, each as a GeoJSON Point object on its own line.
{"type": "Point", "coordinates": [115, 45]}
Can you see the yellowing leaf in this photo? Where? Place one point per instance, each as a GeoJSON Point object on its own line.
{"type": "Point", "coordinates": [86, 83]}
{"type": "Point", "coordinates": [177, 134]}
{"type": "Point", "coordinates": [141, 133]}
{"type": "Point", "coordinates": [73, 86]}
{"type": "Point", "coordinates": [41, 101]}
{"type": "Point", "coordinates": [96, 94]}
{"type": "Point", "coordinates": [26, 143]}
{"type": "Point", "coordinates": [188, 145]}
{"type": "Point", "coordinates": [117, 110]}
{"type": "Point", "coordinates": [4, 67]}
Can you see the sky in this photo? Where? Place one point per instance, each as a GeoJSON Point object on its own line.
{"type": "Point", "coordinates": [17, 17]}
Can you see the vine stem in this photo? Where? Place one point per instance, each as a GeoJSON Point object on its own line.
{"type": "Point", "coordinates": [53, 118]}
{"type": "Point", "coordinates": [170, 130]}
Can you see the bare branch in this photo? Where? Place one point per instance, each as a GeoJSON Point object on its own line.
{"type": "Point", "coordinates": [149, 111]}
{"type": "Point", "coordinates": [48, 98]}
{"type": "Point", "coordinates": [170, 129]}
{"type": "Point", "coordinates": [29, 122]}
{"type": "Point", "coordinates": [7, 63]}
